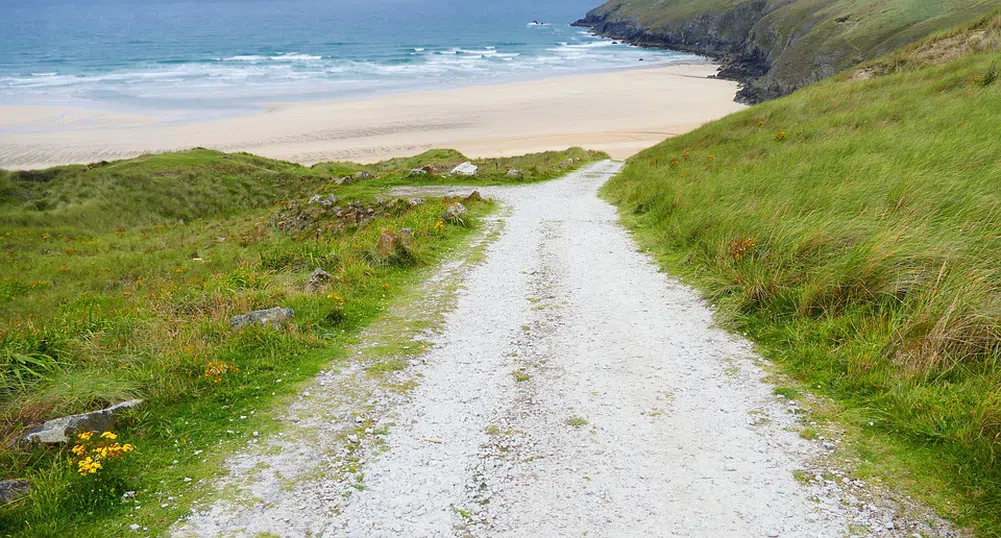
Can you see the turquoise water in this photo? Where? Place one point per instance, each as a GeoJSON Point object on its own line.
{"type": "Point", "coordinates": [241, 53]}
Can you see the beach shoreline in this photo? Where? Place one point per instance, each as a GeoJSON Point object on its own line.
{"type": "Point", "coordinates": [620, 112]}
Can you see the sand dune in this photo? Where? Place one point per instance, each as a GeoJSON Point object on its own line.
{"type": "Point", "coordinates": [621, 113]}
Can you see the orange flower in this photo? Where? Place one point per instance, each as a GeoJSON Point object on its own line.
{"type": "Point", "coordinates": [740, 247]}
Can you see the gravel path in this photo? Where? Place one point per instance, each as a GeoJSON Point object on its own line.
{"type": "Point", "coordinates": [574, 390]}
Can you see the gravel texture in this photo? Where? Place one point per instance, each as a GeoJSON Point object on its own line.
{"type": "Point", "coordinates": [571, 390]}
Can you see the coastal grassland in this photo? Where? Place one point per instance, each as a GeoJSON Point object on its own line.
{"type": "Point", "coordinates": [118, 281]}
{"type": "Point", "coordinates": [853, 230]}
{"type": "Point", "coordinates": [530, 168]}
{"type": "Point", "coordinates": [784, 45]}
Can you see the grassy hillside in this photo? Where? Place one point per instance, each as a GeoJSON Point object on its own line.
{"type": "Point", "coordinates": [853, 229]}
{"type": "Point", "coordinates": [777, 46]}
{"type": "Point", "coordinates": [118, 281]}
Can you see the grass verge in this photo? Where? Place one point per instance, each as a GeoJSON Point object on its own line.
{"type": "Point", "coordinates": [119, 280]}
{"type": "Point", "coordinates": [851, 229]}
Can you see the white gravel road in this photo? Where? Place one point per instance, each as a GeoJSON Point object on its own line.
{"type": "Point", "coordinates": [572, 391]}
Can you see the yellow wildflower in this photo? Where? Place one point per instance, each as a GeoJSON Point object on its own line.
{"type": "Point", "coordinates": [109, 435]}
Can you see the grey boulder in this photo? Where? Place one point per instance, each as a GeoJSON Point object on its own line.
{"type": "Point", "coordinates": [455, 212]}
{"type": "Point", "coordinates": [465, 169]}
{"type": "Point", "coordinates": [325, 201]}
{"type": "Point", "coordinates": [10, 490]}
{"type": "Point", "coordinates": [272, 317]}
{"type": "Point", "coordinates": [318, 279]}
{"type": "Point", "coordinates": [60, 430]}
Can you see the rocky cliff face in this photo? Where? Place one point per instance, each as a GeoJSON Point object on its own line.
{"type": "Point", "coordinates": [724, 36]}
{"type": "Point", "coordinates": [777, 46]}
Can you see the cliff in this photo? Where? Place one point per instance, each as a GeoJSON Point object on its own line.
{"type": "Point", "coordinates": [777, 46]}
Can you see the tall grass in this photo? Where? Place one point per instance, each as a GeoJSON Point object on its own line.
{"type": "Point", "coordinates": [854, 230]}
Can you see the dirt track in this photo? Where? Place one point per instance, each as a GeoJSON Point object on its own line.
{"type": "Point", "coordinates": [573, 390]}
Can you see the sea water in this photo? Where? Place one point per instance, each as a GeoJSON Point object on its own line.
{"type": "Point", "coordinates": [231, 54]}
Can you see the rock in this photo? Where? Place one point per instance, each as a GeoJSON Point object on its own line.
{"type": "Point", "coordinates": [418, 172]}
{"type": "Point", "coordinates": [60, 430]}
{"type": "Point", "coordinates": [465, 169]}
{"type": "Point", "coordinates": [318, 279]}
{"type": "Point", "coordinates": [406, 237]}
{"type": "Point", "coordinates": [414, 202]}
{"type": "Point", "coordinates": [11, 490]}
{"type": "Point", "coordinates": [386, 242]}
{"type": "Point", "coordinates": [272, 317]}
{"type": "Point", "coordinates": [454, 213]}
{"type": "Point", "coordinates": [134, 527]}
{"type": "Point", "coordinates": [325, 201]}
{"type": "Point", "coordinates": [512, 172]}
{"type": "Point", "coordinates": [362, 175]}
{"type": "Point", "coordinates": [475, 195]}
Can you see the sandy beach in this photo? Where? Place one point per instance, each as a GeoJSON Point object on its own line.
{"type": "Point", "coordinates": [619, 112]}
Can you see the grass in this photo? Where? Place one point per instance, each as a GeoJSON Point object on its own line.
{"type": "Point", "coordinates": [576, 421]}
{"type": "Point", "coordinates": [802, 41]}
{"type": "Point", "coordinates": [860, 250]}
{"type": "Point", "coordinates": [118, 280]}
{"type": "Point", "coordinates": [397, 172]}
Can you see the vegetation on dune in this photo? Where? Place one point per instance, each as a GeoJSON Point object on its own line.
{"type": "Point", "coordinates": [118, 280]}
{"type": "Point", "coordinates": [853, 229]}
{"type": "Point", "coordinates": [777, 46]}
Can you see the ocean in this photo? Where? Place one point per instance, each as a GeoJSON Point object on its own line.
{"type": "Point", "coordinates": [241, 54]}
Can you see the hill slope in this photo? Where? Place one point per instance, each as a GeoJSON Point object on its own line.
{"type": "Point", "coordinates": [853, 228]}
{"type": "Point", "coordinates": [777, 46]}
